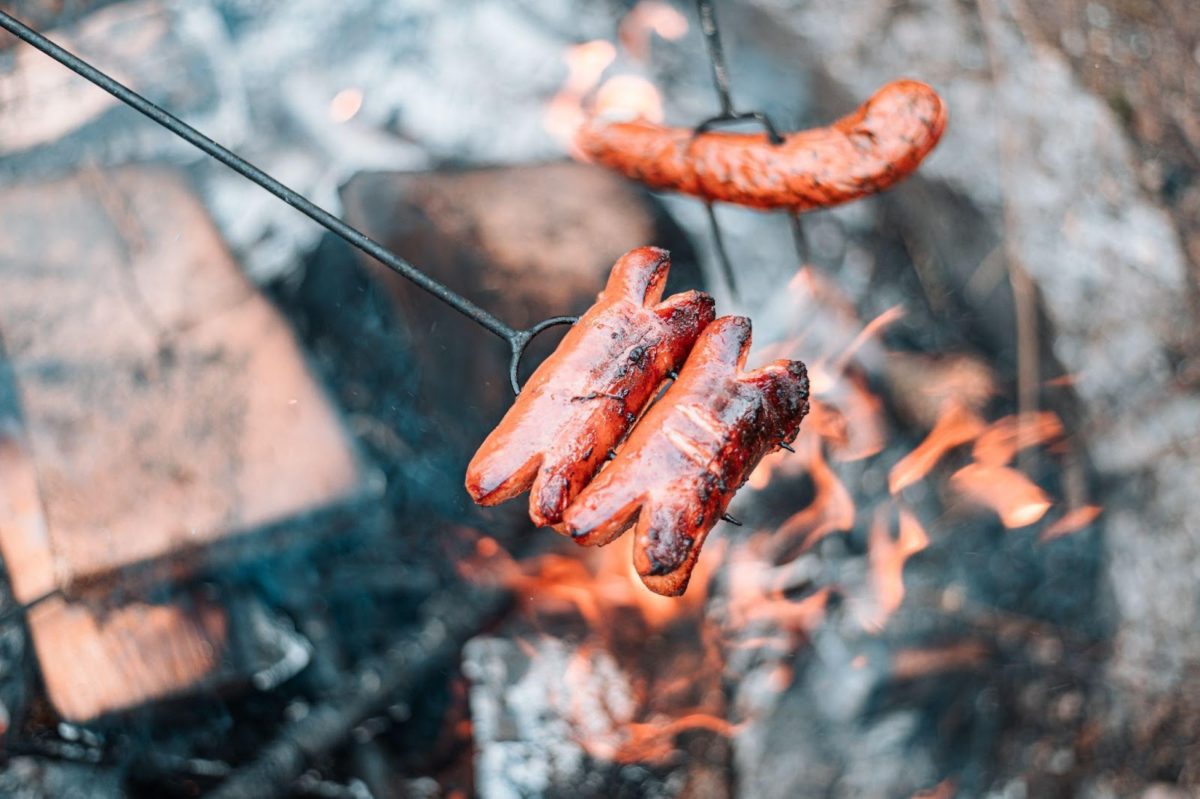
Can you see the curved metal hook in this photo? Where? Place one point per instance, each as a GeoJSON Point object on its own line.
{"type": "Point", "coordinates": [520, 341]}
{"type": "Point", "coordinates": [773, 134]}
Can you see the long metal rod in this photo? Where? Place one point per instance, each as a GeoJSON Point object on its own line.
{"type": "Point", "coordinates": [252, 173]}
{"type": "Point", "coordinates": [716, 55]}
{"type": "Point", "coordinates": [720, 72]}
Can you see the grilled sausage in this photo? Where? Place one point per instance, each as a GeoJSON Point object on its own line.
{"type": "Point", "coordinates": [583, 399]}
{"type": "Point", "coordinates": [690, 453]}
{"type": "Point", "coordinates": [866, 152]}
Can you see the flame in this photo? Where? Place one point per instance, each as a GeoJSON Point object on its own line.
{"type": "Point", "coordinates": [832, 508]}
{"type": "Point", "coordinates": [345, 105]}
{"type": "Point", "coordinates": [1071, 522]}
{"type": "Point", "coordinates": [956, 427]}
{"type": "Point", "coordinates": [646, 18]}
{"type": "Point", "coordinates": [1013, 496]}
{"type": "Point", "coordinates": [629, 97]}
{"type": "Point", "coordinates": [946, 789]}
{"type": "Point", "coordinates": [592, 582]}
{"type": "Point", "coordinates": [849, 418]}
{"type": "Point", "coordinates": [885, 559]}
{"type": "Point", "coordinates": [758, 601]}
{"type": "Point", "coordinates": [654, 741]}
{"type": "Point", "coordinates": [585, 64]}
{"type": "Point", "coordinates": [1000, 443]}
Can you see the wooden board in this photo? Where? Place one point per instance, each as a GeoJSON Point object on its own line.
{"type": "Point", "coordinates": [157, 407]}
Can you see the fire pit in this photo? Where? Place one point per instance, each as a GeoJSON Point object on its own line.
{"type": "Point", "coordinates": [239, 557]}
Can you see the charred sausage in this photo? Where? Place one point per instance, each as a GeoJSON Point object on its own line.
{"type": "Point", "coordinates": [583, 399]}
{"type": "Point", "coordinates": [690, 453]}
{"type": "Point", "coordinates": [866, 152]}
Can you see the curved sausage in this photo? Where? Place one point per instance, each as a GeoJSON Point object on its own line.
{"type": "Point", "coordinates": [690, 453]}
{"type": "Point", "coordinates": [581, 401]}
{"type": "Point", "coordinates": [866, 152]}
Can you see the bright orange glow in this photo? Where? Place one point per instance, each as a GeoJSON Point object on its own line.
{"type": "Point", "coordinates": [345, 105]}
{"type": "Point", "coordinates": [1071, 522]}
{"type": "Point", "coordinates": [646, 18]}
{"type": "Point", "coordinates": [655, 741]}
{"type": "Point", "coordinates": [1012, 495]}
{"type": "Point", "coordinates": [946, 789]}
{"type": "Point", "coordinates": [886, 558]}
{"type": "Point", "coordinates": [956, 427]}
{"type": "Point", "coordinates": [1004, 438]}
{"type": "Point", "coordinates": [585, 64]}
{"type": "Point", "coordinates": [832, 508]}
{"type": "Point", "coordinates": [592, 581]}
{"type": "Point", "coordinates": [629, 97]}
{"type": "Point", "coordinates": [849, 418]}
{"type": "Point", "coordinates": [870, 329]}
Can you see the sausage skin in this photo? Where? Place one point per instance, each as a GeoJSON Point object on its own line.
{"type": "Point", "coordinates": [870, 150]}
{"type": "Point", "coordinates": [581, 401]}
{"type": "Point", "coordinates": [690, 453]}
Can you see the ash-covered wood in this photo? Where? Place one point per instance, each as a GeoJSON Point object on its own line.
{"type": "Point", "coordinates": [159, 407]}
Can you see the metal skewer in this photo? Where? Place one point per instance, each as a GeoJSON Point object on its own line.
{"type": "Point", "coordinates": [518, 340]}
{"type": "Point", "coordinates": [728, 114]}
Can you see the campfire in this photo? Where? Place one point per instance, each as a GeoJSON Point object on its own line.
{"type": "Point", "coordinates": [937, 542]}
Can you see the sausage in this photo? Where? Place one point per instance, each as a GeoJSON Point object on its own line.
{"type": "Point", "coordinates": [866, 152]}
{"type": "Point", "coordinates": [690, 453]}
{"type": "Point", "coordinates": [581, 401]}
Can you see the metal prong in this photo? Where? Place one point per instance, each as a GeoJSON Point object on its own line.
{"type": "Point", "coordinates": [674, 375]}
{"type": "Point", "coordinates": [798, 237]}
{"type": "Point", "coordinates": [612, 453]}
{"type": "Point", "coordinates": [787, 446]}
{"type": "Point", "coordinates": [726, 517]}
{"type": "Point", "coordinates": [722, 255]}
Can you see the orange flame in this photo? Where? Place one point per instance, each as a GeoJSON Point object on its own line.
{"type": "Point", "coordinates": [1013, 496]}
{"type": "Point", "coordinates": [585, 64]}
{"type": "Point", "coordinates": [592, 582]}
{"type": "Point", "coordinates": [956, 427]}
{"type": "Point", "coordinates": [646, 18]}
{"type": "Point", "coordinates": [1000, 443]}
{"type": "Point", "coordinates": [629, 97]}
{"type": "Point", "coordinates": [1071, 522]}
{"type": "Point", "coordinates": [654, 742]}
{"type": "Point", "coordinates": [832, 508]}
{"type": "Point", "coordinates": [886, 558]}
{"type": "Point", "coordinates": [946, 789]}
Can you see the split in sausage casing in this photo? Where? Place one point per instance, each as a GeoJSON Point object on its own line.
{"type": "Point", "coordinates": [680, 467]}
{"type": "Point", "coordinates": [582, 400]}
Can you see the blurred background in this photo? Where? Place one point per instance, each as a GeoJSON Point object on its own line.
{"type": "Point", "coordinates": [238, 557]}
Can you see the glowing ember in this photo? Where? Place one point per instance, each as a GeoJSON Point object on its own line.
{"type": "Point", "coordinates": [345, 105]}
{"type": "Point", "coordinates": [646, 18]}
{"type": "Point", "coordinates": [1012, 495]}
{"type": "Point", "coordinates": [956, 427]}
{"type": "Point", "coordinates": [1072, 522]}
